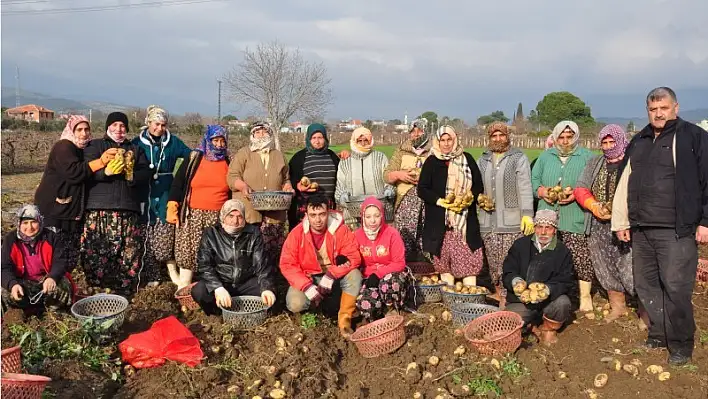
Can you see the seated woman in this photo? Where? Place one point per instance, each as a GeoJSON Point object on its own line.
{"type": "Point", "coordinates": [33, 266]}
{"type": "Point", "coordinates": [383, 256]}
{"type": "Point", "coordinates": [231, 261]}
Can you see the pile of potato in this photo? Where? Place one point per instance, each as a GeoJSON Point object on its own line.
{"type": "Point", "coordinates": [94, 290]}
{"type": "Point", "coordinates": [558, 193]}
{"type": "Point", "coordinates": [429, 280]}
{"type": "Point", "coordinates": [307, 183]}
{"type": "Point", "coordinates": [534, 293]}
{"type": "Point", "coordinates": [459, 288]}
{"type": "Point", "coordinates": [461, 200]}
{"type": "Point", "coordinates": [485, 202]}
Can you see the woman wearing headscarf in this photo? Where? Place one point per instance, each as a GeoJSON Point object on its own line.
{"type": "Point", "coordinates": [61, 194]}
{"type": "Point", "coordinates": [260, 167]}
{"type": "Point", "coordinates": [403, 171]}
{"type": "Point", "coordinates": [33, 265]}
{"type": "Point", "coordinates": [319, 165]}
{"type": "Point", "coordinates": [232, 261]}
{"type": "Point", "coordinates": [451, 230]}
{"type": "Point", "coordinates": [562, 166]}
{"type": "Point", "coordinates": [112, 241]}
{"type": "Point", "coordinates": [361, 173]}
{"type": "Point", "coordinates": [507, 182]}
{"type": "Point", "coordinates": [163, 150]}
{"type": "Point", "coordinates": [198, 192]}
{"type": "Point", "coordinates": [611, 258]}
{"type": "Point", "coordinates": [384, 263]}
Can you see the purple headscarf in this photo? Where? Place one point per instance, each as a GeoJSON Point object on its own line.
{"type": "Point", "coordinates": [620, 137]}
{"type": "Point", "coordinates": [207, 148]}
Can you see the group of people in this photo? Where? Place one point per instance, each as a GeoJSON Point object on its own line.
{"type": "Point", "coordinates": [629, 219]}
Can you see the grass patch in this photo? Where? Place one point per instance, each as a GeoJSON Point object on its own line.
{"type": "Point", "coordinates": [704, 337]}
{"type": "Point", "coordinates": [513, 368]}
{"type": "Point", "coordinates": [309, 321]}
{"type": "Point", "coordinates": [484, 386]}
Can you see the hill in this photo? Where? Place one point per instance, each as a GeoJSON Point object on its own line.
{"type": "Point", "coordinates": [57, 104]}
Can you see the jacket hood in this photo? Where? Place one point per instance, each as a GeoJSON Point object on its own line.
{"type": "Point", "coordinates": [334, 220]}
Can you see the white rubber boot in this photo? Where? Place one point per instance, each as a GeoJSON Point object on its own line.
{"type": "Point", "coordinates": [469, 281]}
{"type": "Point", "coordinates": [447, 278]}
{"type": "Point", "coordinates": [585, 296]}
{"type": "Point", "coordinates": [185, 278]}
{"type": "Point", "coordinates": [172, 271]}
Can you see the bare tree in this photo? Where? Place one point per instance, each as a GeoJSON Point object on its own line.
{"type": "Point", "coordinates": [280, 83]}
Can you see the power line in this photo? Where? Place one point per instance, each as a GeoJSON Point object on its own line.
{"type": "Point", "coordinates": [71, 10]}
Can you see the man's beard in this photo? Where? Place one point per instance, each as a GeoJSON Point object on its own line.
{"type": "Point", "coordinates": [499, 146]}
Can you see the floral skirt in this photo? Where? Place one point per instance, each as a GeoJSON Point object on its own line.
{"type": "Point", "coordinates": [112, 245]}
{"type": "Point", "coordinates": [578, 246]}
{"type": "Point", "coordinates": [160, 249]}
{"type": "Point", "coordinates": [409, 222]}
{"type": "Point", "coordinates": [611, 258]}
{"type": "Point", "coordinates": [189, 234]}
{"type": "Point", "coordinates": [273, 239]}
{"type": "Point", "coordinates": [391, 291]}
{"type": "Point", "coordinates": [496, 247]}
{"type": "Point", "coordinates": [457, 258]}
{"type": "Point", "coordinates": [72, 245]}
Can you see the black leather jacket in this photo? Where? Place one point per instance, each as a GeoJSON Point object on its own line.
{"type": "Point", "coordinates": [224, 260]}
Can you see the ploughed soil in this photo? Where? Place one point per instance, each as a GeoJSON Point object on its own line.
{"type": "Point", "coordinates": [308, 361]}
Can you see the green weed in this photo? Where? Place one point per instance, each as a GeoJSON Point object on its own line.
{"type": "Point", "coordinates": [484, 386]}
{"type": "Point", "coordinates": [308, 321]}
{"type": "Point", "coordinates": [704, 337]}
{"type": "Point", "coordinates": [513, 368]}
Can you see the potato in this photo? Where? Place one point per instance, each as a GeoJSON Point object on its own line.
{"type": "Point", "coordinates": [600, 380]}
{"type": "Point", "coordinates": [664, 376]}
{"type": "Point", "coordinates": [537, 286]}
{"type": "Point", "coordinates": [525, 296]}
{"type": "Point", "coordinates": [533, 296]}
{"type": "Point", "coordinates": [305, 181]}
{"type": "Point", "coordinates": [568, 190]}
{"type": "Point", "coordinates": [553, 196]}
{"type": "Point", "coordinates": [468, 197]}
{"type": "Point", "coordinates": [314, 185]}
{"type": "Point", "coordinates": [654, 369]}
{"type": "Point", "coordinates": [434, 278]}
{"type": "Point", "coordinates": [542, 295]}
{"type": "Point", "coordinates": [458, 285]}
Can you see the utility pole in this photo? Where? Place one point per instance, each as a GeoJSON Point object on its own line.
{"type": "Point", "coordinates": [90, 115]}
{"type": "Point", "coordinates": [218, 112]}
{"type": "Point", "coordinates": [17, 86]}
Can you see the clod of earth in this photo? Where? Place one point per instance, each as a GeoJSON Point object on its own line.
{"type": "Point", "coordinates": [590, 316]}
{"type": "Point", "coordinates": [631, 369]}
{"type": "Point", "coordinates": [600, 380]}
{"type": "Point", "coordinates": [636, 362]}
{"type": "Point", "coordinates": [607, 359]}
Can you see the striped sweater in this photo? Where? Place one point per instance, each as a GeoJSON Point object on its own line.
{"type": "Point", "coordinates": [549, 171]}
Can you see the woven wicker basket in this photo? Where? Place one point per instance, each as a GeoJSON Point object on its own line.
{"type": "Point", "coordinates": [184, 296]}
{"type": "Point", "coordinates": [466, 312]}
{"type": "Point", "coordinates": [245, 312]}
{"type": "Point", "coordinates": [11, 360]}
{"type": "Point", "coordinates": [380, 337]}
{"type": "Point", "coordinates": [271, 200]}
{"type": "Point", "coordinates": [496, 333]}
{"type": "Point", "coordinates": [355, 202]}
{"type": "Point", "coordinates": [23, 386]}
{"type": "Point", "coordinates": [702, 270]}
{"type": "Point", "coordinates": [428, 293]}
{"type": "Point", "coordinates": [101, 308]}
{"type": "Point", "coordinates": [453, 299]}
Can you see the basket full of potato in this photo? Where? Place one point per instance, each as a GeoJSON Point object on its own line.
{"type": "Point", "coordinates": [460, 293]}
{"type": "Point", "coordinates": [533, 293]}
{"type": "Point", "coordinates": [428, 287]}
{"type": "Point", "coordinates": [558, 193]}
{"type": "Point", "coordinates": [271, 200]}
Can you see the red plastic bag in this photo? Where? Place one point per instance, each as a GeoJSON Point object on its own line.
{"type": "Point", "coordinates": [167, 339]}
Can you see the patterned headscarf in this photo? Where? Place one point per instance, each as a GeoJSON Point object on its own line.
{"type": "Point", "coordinates": [421, 141]}
{"type": "Point", "coordinates": [208, 149]}
{"type": "Point", "coordinates": [68, 133]}
{"type": "Point", "coordinates": [456, 149]}
{"type": "Point", "coordinates": [549, 142]}
{"type": "Point", "coordinates": [547, 217]}
{"type": "Point", "coordinates": [311, 130]}
{"type": "Point", "coordinates": [568, 151]}
{"type": "Point", "coordinates": [156, 114]}
{"type": "Point", "coordinates": [356, 148]}
{"type": "Point", "coordinates": [264, 143]}
{"type": "Point", "coordinates": [228, 207]}
{"type": "Point", "coordinates": [30, 212]}
{"type": "Point", "coordinates": [504, 129]}
{"type": "Point", "coordinates": [621, 142]}
{"type": "Point", "coordinates": [459, 176]}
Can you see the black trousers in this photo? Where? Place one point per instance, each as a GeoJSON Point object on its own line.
{"type": "Point", "coordinates": [207, 300]}
{"type": "Point", "coordinates": [664, 276]}
{"type": "Point", "coordinates": [556, 310]}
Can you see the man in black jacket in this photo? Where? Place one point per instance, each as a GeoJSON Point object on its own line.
{"type": "Point", "coordinates": [663, 208]}
{"type": "Point", "coordinates": [231, 262]}
{"type": "Point", "coordinates": [540, 258]}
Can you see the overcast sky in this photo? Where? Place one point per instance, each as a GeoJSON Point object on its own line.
{"type": "Point", "coordinates": [459, 58]}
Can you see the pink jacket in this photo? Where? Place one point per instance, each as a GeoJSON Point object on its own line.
{"type": "Point", "coordinates": [386, 254]}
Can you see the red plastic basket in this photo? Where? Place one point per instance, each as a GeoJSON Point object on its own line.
{"type": "Point", "coordinates": [11, 360]}
{"type": "Point", "coordinates": [702, 270]}
{"type": "Point", "coordinates": [184, 296]}
{"type": "Point", "coordinates": [23, 386]}
{"type": "Point", "coordinates": [380, 337]}
{"type": "Point", "coordinates": [496, 333]}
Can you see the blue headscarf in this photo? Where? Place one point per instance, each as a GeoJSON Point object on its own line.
{"type": "Point", "coordinates": [207, 148]}
{"type": "Point", "coordinates": [311, 130]}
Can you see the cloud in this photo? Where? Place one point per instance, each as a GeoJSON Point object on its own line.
{"type": "Point", "coordinates": [458, 58]}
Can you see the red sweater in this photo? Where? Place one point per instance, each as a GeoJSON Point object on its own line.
{"type": "Point", "coordinates": [383, 256]}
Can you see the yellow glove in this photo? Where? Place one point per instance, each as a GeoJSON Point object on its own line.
{"type": "Point", "coordinates": [115, 167]}
{"type": "Point", "coordinates": [527, 225]}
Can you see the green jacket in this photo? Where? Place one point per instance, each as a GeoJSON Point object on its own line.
{"type": "Point", "coordinates": [549, 171]}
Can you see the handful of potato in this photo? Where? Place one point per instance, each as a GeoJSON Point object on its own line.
{"type": "Point", "coordinates": [308, 184]}
{"type": "Point", "coordinates": [485, 202]}
{"type": "Point", "coordinates": [534, 293]}
{"type": "Point", "coordinates": [429, 280]}
{"type": "Point", "coordinates": [558, 193]}
{"type": "Point", "coordinates": [460, 201]}
{"type": "Point", "coordinates": [460, 288]}
{"type": "Point", "coordinates": [129, 161]}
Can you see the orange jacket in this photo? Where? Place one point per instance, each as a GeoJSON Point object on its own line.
{"type": "Point", "coordinates": [298, 261]}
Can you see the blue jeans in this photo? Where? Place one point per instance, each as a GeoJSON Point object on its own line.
{"type": "Point", "coordinates": [297, 302]}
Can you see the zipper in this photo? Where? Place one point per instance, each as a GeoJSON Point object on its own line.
{"type": "Point", "coordinates": [233, 273]}
{"type": "Point", "coordinates": [363, 181]}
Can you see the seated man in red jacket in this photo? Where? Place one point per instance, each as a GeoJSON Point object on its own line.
{"type": "Point", "coordinates": [33, 266]}
{"type": "Point", "coordinates": [318, 253]}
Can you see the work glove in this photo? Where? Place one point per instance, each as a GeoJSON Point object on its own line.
{"type": "Point", "coordinates": [527, 225]}
{"type": "Point", "coordinates": [115, 167]}
{"type": "Point", "coordinates": [519, 285]}
{"type": "Point", "coordinates": [444, 204]}
{"type": "Point", "coordinates": [108, 155]}
{"type": "Point", "coordinates": [172, 212]}
{"type": "Point", "coordinates": [372, 281]}
{"type": "Point", "coordinates": [326, 283]}
{"type": "Point", "coordinates": [389, 193]}
{"type": "Point", "coordinates": [597, 209]}
{"type": "Point", "coordinates": [314, 295]}
{"type": "Point", "coordinates": [268, 297]}
{"type": "Point", "coordinates": [223, 298]}
{"type": "Point", "coordinates": [344, 198]}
